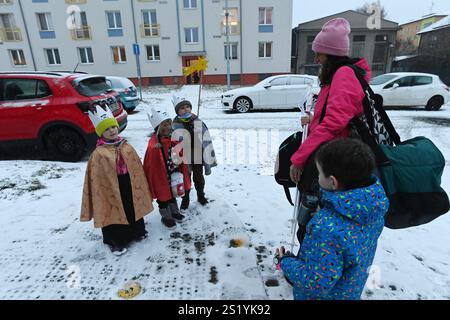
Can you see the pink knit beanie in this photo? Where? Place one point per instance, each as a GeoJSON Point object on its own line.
{"type": "Point", "coordinates": [334, 38]}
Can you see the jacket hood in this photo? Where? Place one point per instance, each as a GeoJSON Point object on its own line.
{"type": "Point", "coordinates": [364, 205]}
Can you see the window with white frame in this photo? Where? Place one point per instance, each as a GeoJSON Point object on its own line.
{"type": "Point", "coordinates": [231, 51]}
{"type": "Point", "coordinates": [114, 19]}
{"type": "Point", "coordinates": [86, 56]}
{"type": "Point", "coordinates": [119, 54]}
{"type": "Point", "coordinates": [189, 4]}
{"type": "Point", "coordinates": [265, 50]}
{"type": "Point", "coordinates": [53, 57]}
{"type": "Point", "coordinates": [191, 35]}
{"type": "Point", "coordinates": [265, 16]}
{"type": "Point", "coordinates": [153, 52]}
{"type": "Point", "coordinates": [45, 21]}
{"type": "Point", "coordinates": [17, 57]}
{"type": "Point", "coordinates": [151, 27]}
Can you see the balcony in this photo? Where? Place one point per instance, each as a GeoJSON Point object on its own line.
{"type": "Point", "coordinates": [233, 29]}
{"type": "Point", "coordinates": [150, 30]}
{"type": "Point", "coordinates": [83, 33]}
{"type": "Point", "coordinates": [10, 34]}
{"type": "Point", "coordinates": [6, 1]}
{"type": "Point", "coordinates": [76, 1]}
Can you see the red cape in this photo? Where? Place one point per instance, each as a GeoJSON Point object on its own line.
{"type": "Point", "coordinates": [156, 172]}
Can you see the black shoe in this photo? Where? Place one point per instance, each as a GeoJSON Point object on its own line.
{"type": "Point", "coordinates": [185, 201]}
{"type": "Point", "coordinates": [169, 223]}
{"type": "Point", "coordinates": [178, 217]}
{"type": "Point", "coordinates": [141, 237]}
{"type": "Point", "coordinates": [203, 201]}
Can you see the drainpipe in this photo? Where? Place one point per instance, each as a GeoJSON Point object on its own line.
{"type": "Point", "coordinates": [28, 36]}
{"type": "Point", "coordinates": [227, 33]}
{"type": "Point", "coordinates": [241, 43]}
{"type": "Point", "coordinates": [138, 60]}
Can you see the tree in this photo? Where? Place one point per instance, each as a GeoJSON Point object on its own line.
{"type": "Point", "coordinates": [366, 6]}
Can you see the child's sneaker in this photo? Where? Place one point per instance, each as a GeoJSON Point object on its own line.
{"type": "Point", "coordinates": [118, 251]}
{"type": "Point", "coordinates": [169, 223]}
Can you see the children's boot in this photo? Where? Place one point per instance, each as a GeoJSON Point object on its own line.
{"type": "Point", "coordinates": [167, 218]}
{"type": "Point", "coordinates": [173, 207]}
{"type": "Point", "coordinates": [185, 200]}
{"type": "Point", "coordinates": [201, 198]}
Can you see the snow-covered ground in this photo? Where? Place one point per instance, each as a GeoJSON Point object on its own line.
{"type": "Point", "coordinates": [47, 253]}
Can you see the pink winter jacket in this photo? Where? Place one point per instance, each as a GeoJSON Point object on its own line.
{"type": "Point", "coordinates": [344, 103]}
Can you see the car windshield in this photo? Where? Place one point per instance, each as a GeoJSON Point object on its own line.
{"type": "Point", "coordinates": [91, 87]}
{"type": "Point", "coordinates": [382, 79]}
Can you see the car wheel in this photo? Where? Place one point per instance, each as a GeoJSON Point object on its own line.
{"type": "Point", "coordinates": [242, 104]}
{"type": "Point", "coordinates": [434, 103]}
{"type": "Point", "coordinates": [130, 109]}
{"type": "Point", "coordinates": [65, 144]}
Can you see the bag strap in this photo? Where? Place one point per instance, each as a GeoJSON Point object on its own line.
{"type": "Point", "coordinates": [367, 106]}
{"type": "Point", "coordinates": [288, 195]}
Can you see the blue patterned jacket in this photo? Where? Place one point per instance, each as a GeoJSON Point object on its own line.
{"type": "Point", "coordinates": [339, 246]}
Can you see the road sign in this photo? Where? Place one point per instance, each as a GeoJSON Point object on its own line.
{"type": "Point", "coordinates": [136, 49]}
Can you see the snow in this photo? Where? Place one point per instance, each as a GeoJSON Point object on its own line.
{"type": "Point", "coordinates": [47, 253]}
{"type": "Point", "coordinates": [443, 23]}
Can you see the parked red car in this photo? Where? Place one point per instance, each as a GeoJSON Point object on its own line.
{"type": "Point", "coordinates": [47, 111]}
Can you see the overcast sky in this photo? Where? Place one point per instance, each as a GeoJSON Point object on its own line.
{"type": "Point", "coordinates": [400, 11]}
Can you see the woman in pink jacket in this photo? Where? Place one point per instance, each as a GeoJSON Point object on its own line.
{"type": "Point", "coordinates": [339, 87]}
{"type": "Point", "coordinates": [341, 91]}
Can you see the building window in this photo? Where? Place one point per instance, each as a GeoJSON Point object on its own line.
{"type": "Point", "coordinates": [265, 20]}
{"type": "Point", "coordinates": [150, 28]}
{"type": "Point", "coordinates": [189, 4]}
{"type": "Point", "coordinates": [45, 24]}
{"type": "Point", "coordinates": [380, 54]}
{"type": "Point", "coordinates": [233, 22]}
{"type": "Point", "coordinates": [53, 57]}
{"type": "Point", "coordinates": [114, 20]}
{"type": "Point", "coordinates": [86, 56]}
{"type": "Point", "coordinates": [265, 50]}
{"type": "Point", "coordinates": [359, 44]}
{"type": "Point", "coordinates": [17, 57]}
{"type": "Point", "coordinates": [119, 54]}
{"type": "Point", "coordinates": [191, 35]}
{"type": "Point", "coordinates": [310, 55]}
{"type": "Point", "coordinates": [231, 51]}
{"type": "Point", "coordinates": [153, 53]}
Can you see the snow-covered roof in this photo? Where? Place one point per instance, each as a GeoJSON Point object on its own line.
{"type": "Point", "coordinates": [443, 23]}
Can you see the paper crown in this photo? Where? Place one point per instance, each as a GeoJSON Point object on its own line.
{"type": "Point", "coordinates": [156, 117]}
{"type": "Point", "coordinates": [102, 118]}
{"type": "Point", "coordinates": [177, 101]}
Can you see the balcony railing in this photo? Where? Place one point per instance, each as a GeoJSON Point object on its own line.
{"type": "Point", "coordinates": [150, 30]}
{"type": "Point", "coordinates": [76, 1]}
{"type": "Point", "coordinates": [233, 28]}
{"type": "Point", "coordinates": [10, 34]}
{"type": "Point", "coordinates": [83, 33]}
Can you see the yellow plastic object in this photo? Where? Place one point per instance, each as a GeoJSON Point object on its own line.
{"type": "Point", "coordinates": [130, 291]}
{"type": "Point", "coordinates": [236, 243]}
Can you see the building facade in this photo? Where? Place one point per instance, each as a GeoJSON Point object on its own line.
{"type": "Point", "coordinates": [407, 38]}
{"type": "Point", "coordinates": [119, 37]}
{"type": "Point", "coordinates": [377, 46]}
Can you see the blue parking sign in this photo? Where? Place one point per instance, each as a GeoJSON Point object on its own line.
{"type": "Point", "coordinates": [136, 49]}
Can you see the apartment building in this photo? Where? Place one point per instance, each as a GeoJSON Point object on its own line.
{"type": "Point", "coordinates": [159, 38]}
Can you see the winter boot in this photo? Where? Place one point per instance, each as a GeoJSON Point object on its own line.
{"type": "Point", "coordinates": [118, 251]}
{"type": "Point", "coordinates": [201, 198]}
{"type": "Point", "coordinates": [173, 207]}
{"type": "Point", "coordinates": [185, 200]}
{"type": "Point", "coordinates": [167, 218]}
